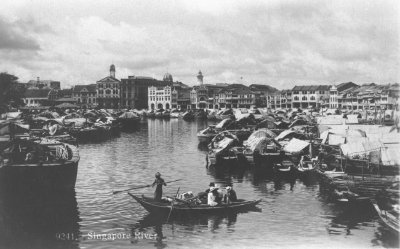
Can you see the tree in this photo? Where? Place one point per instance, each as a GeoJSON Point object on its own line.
{"type": "Point", "coordinates": [11, 93]}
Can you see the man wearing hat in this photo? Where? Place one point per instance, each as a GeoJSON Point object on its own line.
{"type": "Point", "coordinates": [158, 182]}
{"type": "Point", "coordinates": [230, 194]}
{"type": "Point", "coordinates": [203, 195]}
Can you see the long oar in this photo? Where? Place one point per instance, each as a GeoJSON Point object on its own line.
{"type": "Point", "coordinates": [172, 204]}
{"type": "Point", "coordinates": [146, 186]}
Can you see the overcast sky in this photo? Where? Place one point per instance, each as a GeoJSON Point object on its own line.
{"type": "Point", "coordinates": [280, 43]}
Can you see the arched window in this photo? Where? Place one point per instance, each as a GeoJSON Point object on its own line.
{"type": "Point", "coordinates": [304, 98]}
{"type": "Point", "coordinates": [296, 98]}
{"type": "Point", "coordinates": [312, 98]}
{"type": "Point", "coordinates": [108, 91]}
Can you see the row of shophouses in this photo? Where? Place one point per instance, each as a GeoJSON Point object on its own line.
{"type": "Point", "coordinates": [137, 92]}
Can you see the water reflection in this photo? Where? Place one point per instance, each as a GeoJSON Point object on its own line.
{"type": "Point", "coordinates": [161, 226]}
{"type": "Point", "coordinates": [39, 220]}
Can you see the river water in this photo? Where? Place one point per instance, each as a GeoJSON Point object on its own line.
{"type": "Point", "coordinates": [293, 213]}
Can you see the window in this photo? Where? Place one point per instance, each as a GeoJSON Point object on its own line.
{"type": "Point", "coordinates": [304, 98]}
{"type": "Point", "coordinates": [296, 98]}
{"type": "Point", "coordinates": [304, 92]}
{"type": "Point", "coordinates": [108, 91]}
{"type": "Point", "coordinates": [296, 92]}
{"type": "Point", "coordinates": [312, 92]}
{"type": "Point", "coordinates": [312, 98]}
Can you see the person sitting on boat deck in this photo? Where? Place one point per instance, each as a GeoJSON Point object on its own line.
{"type": "Point", "coordinates": [213, 197]}
{"type": "Point", "coordinates": [230, 194]}
{"type": "Point", "coordinates": [158, 182]}
{"type": "Point", "coordinates": [203, 195]}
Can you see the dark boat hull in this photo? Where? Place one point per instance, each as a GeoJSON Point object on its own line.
{"type": "Point", "coordinates": [56, 176]}
{"type": "Point", "coordinates": [390, 221]}
{"type": "Point", "coordinates": [157, 207]}
{"type": "Point", "coordinates": [129, 123]}
{"type": "Point", "coordinates": [91, 135]}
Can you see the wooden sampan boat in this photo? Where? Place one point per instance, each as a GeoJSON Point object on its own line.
{"type": "Point", "coordinates": [181, 208]}
{"type": "Point", "coordinates": [388, 219]}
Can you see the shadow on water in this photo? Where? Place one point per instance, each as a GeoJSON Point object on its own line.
{"type": "Point", "coordinates": [39, 220]}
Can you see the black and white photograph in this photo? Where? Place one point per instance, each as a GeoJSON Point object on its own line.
{"type": "Point", "coordinates": [199, 124]}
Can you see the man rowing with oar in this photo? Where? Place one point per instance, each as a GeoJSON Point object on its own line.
{"type": "Point", "coordinates": [159, 182]}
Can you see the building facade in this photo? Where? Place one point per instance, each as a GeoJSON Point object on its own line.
{"type": "Point", "coordinates": [312, 96]}
{"type": "Point", "coordinates": [135, 90]}
{"type": "Point", "coordinates": [85, 95]}
{"type": "Point", "coordinates": [162, 97]}
{"type": "Point", "coordinates": [108, 91]}
{"type": "Point", "coordinates": [37, 97]}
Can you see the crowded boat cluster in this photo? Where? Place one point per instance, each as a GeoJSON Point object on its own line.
{"type": "Point", "coordinates": [355, 156]}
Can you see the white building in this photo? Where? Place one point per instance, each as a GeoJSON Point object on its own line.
{"type": "Point", "coordinates": [333, 98]}
{"type": "Point", "coordinates": [36, 97]}
{"type": "Point", "coordinates": [162, 97]}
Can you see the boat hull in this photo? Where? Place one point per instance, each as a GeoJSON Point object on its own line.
{"type": "Point", "coordinates": [157, 207]}
{"type": "Point", "coordinates": [204, 139]}
{"type": "Point", "coordinates": [55, 176]}
{"type": "Point", "coordinates": [129, 123]}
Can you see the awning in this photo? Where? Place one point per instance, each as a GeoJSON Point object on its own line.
{"type": "Point", "coordinates": [295, 146]}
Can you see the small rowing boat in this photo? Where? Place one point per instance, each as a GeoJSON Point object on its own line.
{"type": "Point", "coordinates": [178, 208]}
{"type": "Point", "coordinates": [390, 220]}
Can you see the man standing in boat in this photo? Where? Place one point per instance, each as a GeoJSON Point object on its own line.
{"type": "Point", "coordinates": [158, 182]}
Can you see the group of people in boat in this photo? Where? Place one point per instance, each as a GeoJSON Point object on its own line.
{"type": "Point", "coordinates": [213, 196]}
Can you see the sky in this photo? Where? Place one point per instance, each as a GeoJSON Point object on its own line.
{"type": "Point", "coordinates": [280, 43]}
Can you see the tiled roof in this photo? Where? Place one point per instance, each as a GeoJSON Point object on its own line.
{"type": "Point", "coordinates": [89, 88]}
{"type": "Point", "coordinates": [345, 85]}
{"type": "Point", "coordinates": [108, 79]}
{"type": "Point", "coordinates": [312, 88]}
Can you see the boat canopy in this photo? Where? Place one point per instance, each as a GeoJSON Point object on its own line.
{"type": "Point", "coordinates": [267, 124]}
{"type": "Point", "coordinates": [7, 127]}
{"type": "Point", "coordinates": [13, 115]}
{"type": "Point", "coordinates": [390, 155]}
{"type": "Point", "coordinates": [360, 147]}
{"type": "Point", "coordinates": [223, 123]}
{"type": "Point", "coordinates": [298, 122]}
{"type": "Point", "coordinates": [260, 133]}
{"type": "Point", "coordinates": [260, 143]}
{"type": "Point", "coordinates": [289, 134]}
{"type": "Point", "coordinates": [295, 146]}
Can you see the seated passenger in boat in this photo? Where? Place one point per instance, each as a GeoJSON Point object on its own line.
{"type": "Point", "coordinates": [230, 195]}
{"type": "Point", "coordinates": [203, 195]}
{"type": "Point", "coordinates": [213, 197]}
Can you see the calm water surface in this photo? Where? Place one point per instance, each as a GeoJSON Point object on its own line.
{"type": "Point", "coordinates": [292, 214]}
